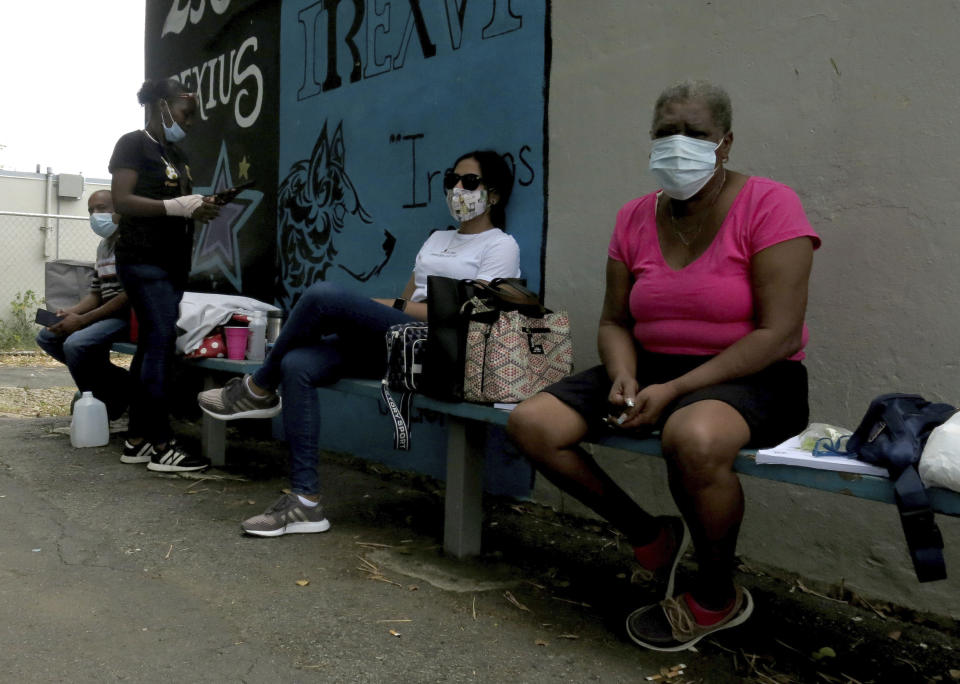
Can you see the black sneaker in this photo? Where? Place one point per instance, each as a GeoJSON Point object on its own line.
{"type": "Point", "coordinates": [136, 453]}
{"type": "Point", "coordinates": [671, 626]}
{"type": "Point", "coordinates": [173, 459]}
{"type": "Point", "coordinates": [234, 400]}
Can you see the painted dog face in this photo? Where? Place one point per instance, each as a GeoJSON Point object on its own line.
{"type": "Point", "coordinates": [321, 223]}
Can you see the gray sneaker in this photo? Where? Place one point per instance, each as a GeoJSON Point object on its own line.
{"type": "Point", "coordinates": [234, 400]}
{"type": "Point", "coordinates": [287, 516]}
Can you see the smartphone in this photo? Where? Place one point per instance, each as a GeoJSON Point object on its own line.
{"type": "Point", "coordinates": [46, 318]}
{"type": "Point", "coordinates": [226, 196]}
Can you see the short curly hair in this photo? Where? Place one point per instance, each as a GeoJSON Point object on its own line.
{"type": "Point", "coordinates": [715, 97]}
{"type": "Point", "coordinates": [160, 89]}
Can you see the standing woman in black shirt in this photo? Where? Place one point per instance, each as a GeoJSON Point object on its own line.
{"type": "Point", "coordinates": [152, 191]}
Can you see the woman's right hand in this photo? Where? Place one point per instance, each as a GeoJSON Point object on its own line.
{"type": "Point", "coordinates": [623, 391]}
{"type": "Point", "coordinates": [196, 207]}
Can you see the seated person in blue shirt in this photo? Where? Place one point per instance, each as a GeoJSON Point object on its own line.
{"type": "Point", "coordinates": [86, 330]}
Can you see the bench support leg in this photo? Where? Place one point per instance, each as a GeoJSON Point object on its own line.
{"type": "Point", "coordinates": [213, 433]}
{"type": "Point", "coordinates": [463, 506]}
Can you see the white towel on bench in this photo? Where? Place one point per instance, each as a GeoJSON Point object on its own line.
{"type": "Point", "coordinates": [201, 312]}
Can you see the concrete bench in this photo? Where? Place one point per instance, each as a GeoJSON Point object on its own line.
{"type": "Point", "coordinates": [463, 511]}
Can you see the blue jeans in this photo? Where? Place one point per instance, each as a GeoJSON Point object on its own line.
{"type": "Point", "coordinates": [155, 297]}
{"type": "Point", "coordinates": [86, 352]}
{"type": "Point", "coordinates": [330, 333]}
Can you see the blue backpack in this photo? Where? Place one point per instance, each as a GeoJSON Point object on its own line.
{"type": "Point", "coordinates": [892, 435]}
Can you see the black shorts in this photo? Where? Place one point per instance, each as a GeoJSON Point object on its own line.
{"type": "Point", "coordinates": [773, 402]}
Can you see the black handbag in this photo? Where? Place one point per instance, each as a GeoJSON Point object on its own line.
{"type": "Point", "coordinates": [448, 322]}
{"type": "Point", "coordinates": [892, 435]}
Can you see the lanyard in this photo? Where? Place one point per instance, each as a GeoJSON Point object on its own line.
{"type": "Point", "coordinates": [171, 171]}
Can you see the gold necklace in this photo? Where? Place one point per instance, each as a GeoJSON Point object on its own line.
{"type": "Point", "coordinates": [688, 238]}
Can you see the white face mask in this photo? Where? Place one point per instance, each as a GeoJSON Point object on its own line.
{"type": "Point", "coordinates": [683, 165]}
{"type": "Point", "coordinates": [466, 204]}
{"type": "Point", "coordinates": [103, 224]}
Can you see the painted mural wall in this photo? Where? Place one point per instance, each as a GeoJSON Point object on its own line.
{"type": "Point", "coordinates": [346, 114]}
{"type": "Point", "coordinates": [377, 99]}
{"type": "Point", "coordinates": [226, 50]}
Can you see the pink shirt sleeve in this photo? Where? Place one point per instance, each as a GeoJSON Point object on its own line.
{"type": "Point", "coordinates": [776, 215]}
{"type": "Point", "coordinates": [624, 241]}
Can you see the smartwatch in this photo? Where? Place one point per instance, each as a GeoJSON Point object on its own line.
{"type": "Point", "coordinates": [400, 304]}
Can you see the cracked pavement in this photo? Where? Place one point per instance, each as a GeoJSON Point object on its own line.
{"type": "Point", "coordinates": [109, 572]}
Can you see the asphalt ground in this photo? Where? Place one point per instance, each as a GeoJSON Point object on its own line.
{"type": "Point", "coordinates": [109, 572]}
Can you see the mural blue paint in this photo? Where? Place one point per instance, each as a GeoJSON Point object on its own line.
{"type": "Point", "coordinates": [387, 94]}
{"type": "Point", "coordinates": [216, 244]}
{"type": "Point", "coordinates": [322, 222]}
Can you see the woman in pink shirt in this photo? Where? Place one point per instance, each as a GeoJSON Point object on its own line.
{"type": "Point", "coordinates": [701, 336]}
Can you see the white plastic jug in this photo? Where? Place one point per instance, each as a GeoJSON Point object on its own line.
{"type": "Point", "coordinates": [89, 426]}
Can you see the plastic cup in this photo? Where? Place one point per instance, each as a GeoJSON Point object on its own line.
{"type": "Point", "coordinates": [236, 341]}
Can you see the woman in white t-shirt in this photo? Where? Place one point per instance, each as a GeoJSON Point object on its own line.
{"type": "Point", "coordinates": [333, 332]}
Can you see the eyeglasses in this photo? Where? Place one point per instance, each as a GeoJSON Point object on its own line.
{"type": "Point", "coordinates": [471, 181]}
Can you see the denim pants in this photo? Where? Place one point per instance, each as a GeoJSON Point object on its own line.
{"type": "Point", "coordinates": [331, 333]}
{"type": "Point", "coordinates": [86, 352]}
{"type": "Point", "coordinates": [155, 297]}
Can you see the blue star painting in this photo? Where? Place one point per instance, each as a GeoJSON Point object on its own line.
{"type": "Point", "coordinates": [216, 246]}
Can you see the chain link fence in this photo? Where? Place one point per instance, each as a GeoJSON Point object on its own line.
{"type": "Point", "coordinates": [29, 242]}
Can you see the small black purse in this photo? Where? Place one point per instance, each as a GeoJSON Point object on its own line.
{"type": "Point", "coordinates": [406, 352]}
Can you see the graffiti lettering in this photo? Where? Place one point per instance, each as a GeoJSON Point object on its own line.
{"type": "Point", "coordinates": [181, 12]}
{"type": "Point", "coordinates": [524, 176]}
{"type": "Point", "coordinates": [252, 71]}
{"type": "Point", "coordinates": [322, 37]}
{"type": "Point", "coordinates": [503, 20]}
{"type": "Point", "coordinates": [413, 167]}
{"type": "Point", "coordinates": [227, 70]}
{"type": "Point", "coordinates": [415, 18]}
{"type": "Point", "coordinates": [375, 67]}
{"type": "Point", "coordinates": [528, 179]}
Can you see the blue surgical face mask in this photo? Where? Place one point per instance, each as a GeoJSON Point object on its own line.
{"type": "Point", "coordinates": [172, 133]}
{"type": "Point", "coordinates": [103, 224]}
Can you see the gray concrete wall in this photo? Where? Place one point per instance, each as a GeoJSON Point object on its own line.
{"type": "Point", "coordinates": [853, 104]}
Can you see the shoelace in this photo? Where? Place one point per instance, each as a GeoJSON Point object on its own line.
{"type": "Point", "coordinates": [280, 505]}
{"type": "Point", "coordinates": [681, 620]}
{"type": "Point", "coordinates": [642, 574]}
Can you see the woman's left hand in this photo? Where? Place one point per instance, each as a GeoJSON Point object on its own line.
{"type": "Point", "coordinates": [649, 404]}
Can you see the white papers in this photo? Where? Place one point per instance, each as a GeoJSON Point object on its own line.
{"type": "Point", "coordinates": [504, 406]}
{"type": "Point", "coordinates": [790, 453]}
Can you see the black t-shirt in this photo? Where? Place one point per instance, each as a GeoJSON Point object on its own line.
{"type": "Point", "coordinates": [162, 173]}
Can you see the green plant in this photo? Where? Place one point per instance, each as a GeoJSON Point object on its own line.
{"type": "Point", "coordinates": [19, 331]}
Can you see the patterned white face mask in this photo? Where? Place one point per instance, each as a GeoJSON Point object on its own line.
{"type": "Point", "coordinates": [466, 204]}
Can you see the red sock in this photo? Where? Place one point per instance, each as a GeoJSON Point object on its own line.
{"type": "Point", "coordinates": [705, 616]}
{"type": "Point", "coordinates": [657, 553]}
